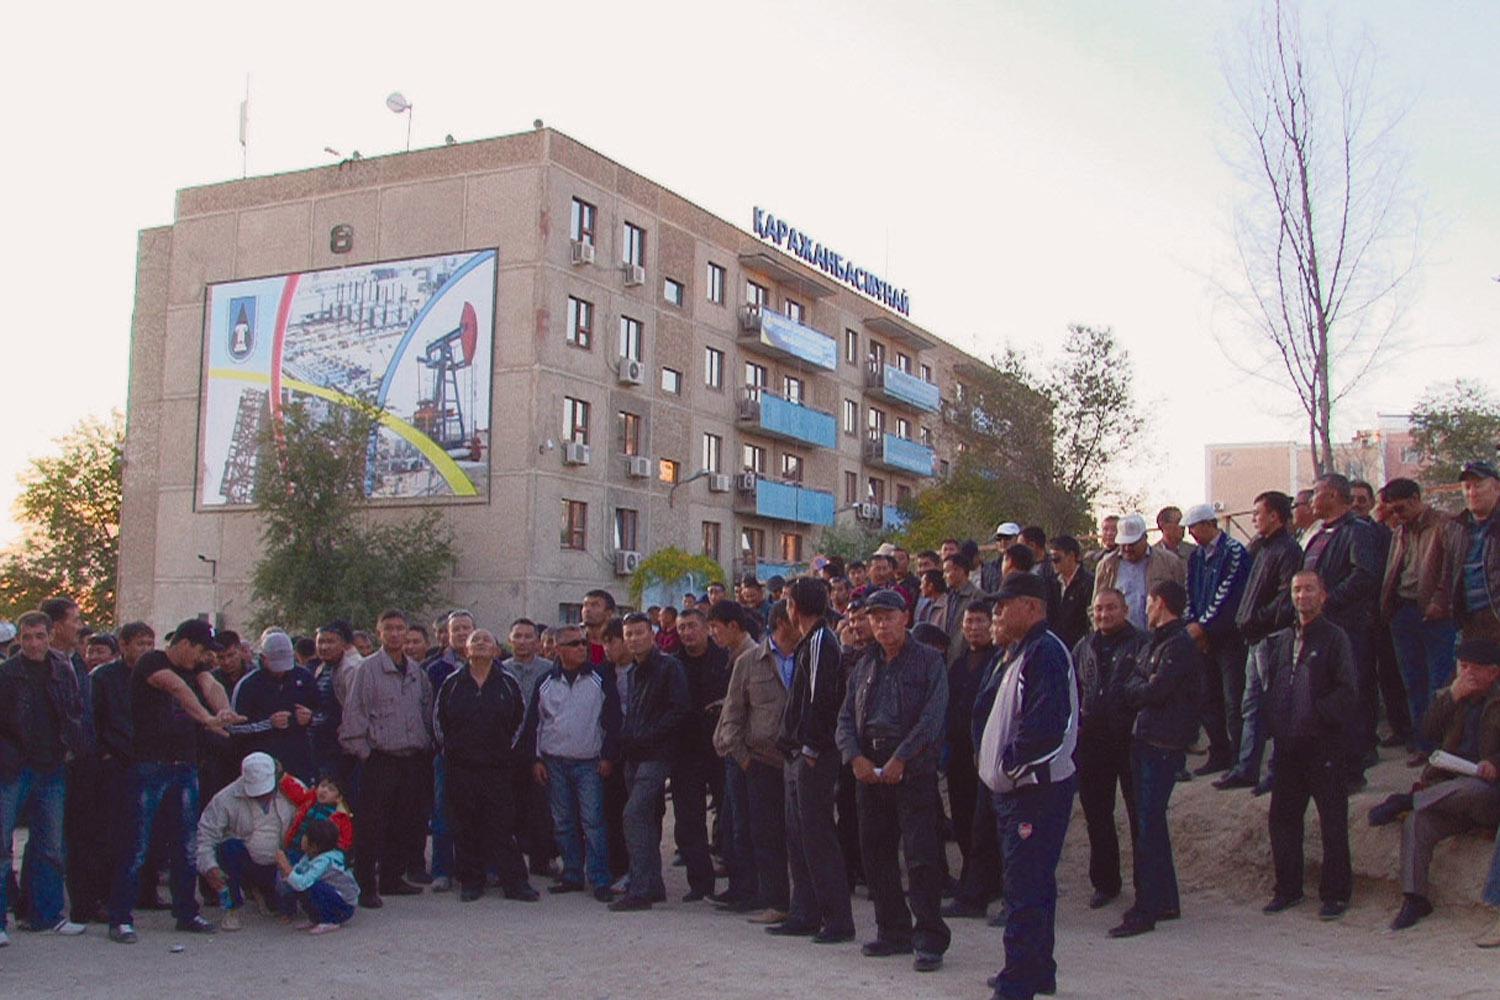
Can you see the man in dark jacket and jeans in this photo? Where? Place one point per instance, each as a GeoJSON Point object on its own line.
{"type": "Point", "coordinates": [1165, 691]}
{"type": "Point", "coordinates": [1103, 660]}
{"type": "Point", "coordinates": [890, 731]}
{"type": "Point", "coordinates": [1310, 707]}
{"type": "Point", "coordinates": [1265, 608]}
{"type": "Point", "coordinates": [657, 709]}
{"type": "Point", "coordinates": [820, 886]}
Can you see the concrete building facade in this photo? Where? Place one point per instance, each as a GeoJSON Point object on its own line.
{"type": "Point", "coordinates": [647, 355]}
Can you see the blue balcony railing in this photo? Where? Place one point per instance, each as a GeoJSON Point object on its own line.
{"type": "Point", "coordinates": [893, 519]}
{"type": "Point", "coordinates": [789, 502]}
{"type": "Point", "coordinates": [897, 453]}
{"type": "Point", "coordinates": [776, 417]}
{"type": "Point", "coordinates": [890, 382]}
{"type": "Point", "coordinates": [784, 337]}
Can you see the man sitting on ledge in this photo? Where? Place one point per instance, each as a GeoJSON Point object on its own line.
{"type": "Point", "coordinates": [1463, 720]}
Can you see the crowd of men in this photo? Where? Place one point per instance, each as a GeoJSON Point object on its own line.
{"type": "Point", "coordinates": [809, 733]}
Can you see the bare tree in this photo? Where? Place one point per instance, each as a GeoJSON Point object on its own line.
{"type": "Point", "coordinates": [1326, 235]}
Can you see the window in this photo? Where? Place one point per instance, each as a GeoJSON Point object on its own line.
{"type": "Point", "coordinates": [927, 436]}
{"type": "Point", "coordinates": [575, 420]}
{"type": "Point", "coordinates": [791, 390]}
{"type": "Point", "coordinates": [672, 291]}
{"type": "Point", "coordinates": [903, 428]}
{"type": "Point", "coordinates": [876, 491]}
{"type": "Point", "coordinates": [791, 467]}
{"type": "Point", "coordinates": [903, 493]}
{"type": "Point", "coordinates": [634, 249]}
{"type": "Point", "coordinates": [630, 338]}
{"type": "Point", "coordinates": [903, 362]}
{"type": "Point", "coordinates": [960, 391]}
{"type": "Point", "coordinates": [877, 354]}
{"type": "Point", "coordinates": [581, 227]}
{"type": "Point", "coordinates": [927, 373]}
{"type": "Point", "coordinates": [753, 542]}
{"type": "Point", "coordinates": [671, 381]}
{"type": "Point", "coordinates": [851, 487]}
{"type": "Point", "coordinates": [713, 452]}
{"type": "Point", "coordinates": [580, 323]}
{"type": "Point", "coordinates": [625, 527]}
{"type": "Point", "coordinates": [570, 614]}
{"type": "Point", "coordinates": [629, 426]}
{"type": "Point", "coordinates": [944, 468]}
{"type": "Point", "coordinates": [875, 421]}
{"type": "Point", "coordinates": [669, 470]}
{"type": "Point", "coordinates": [753, 458]}
{"type": "Point", "coordinates": [851, 347]}
{"type": "Point", "coordinates": [713, 368]}
{"type": "Point", "coordinates": [794, 310]}
{"type": "Point", "coordinates": [711, 539]}
{"type": "Point", "coordinates": [791, 547]}
{"type": "Point", "coordinates": [757, 295]}
{"type": "Point", "coordinates": [715, 284]}
{"type": "Point", "coordinates": [755, 379]}
{"type": "Point", "coordinates": [851, 417]}
{"type": "Point", "coordinates": [575, 524]}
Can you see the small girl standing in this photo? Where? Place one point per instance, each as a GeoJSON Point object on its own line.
{"type": "Point", "coordinates": [320, 881]}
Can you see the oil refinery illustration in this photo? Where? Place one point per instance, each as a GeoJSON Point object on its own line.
{"type": "Point", "coordinates": [415, 336]}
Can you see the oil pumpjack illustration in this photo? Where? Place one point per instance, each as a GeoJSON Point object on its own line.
{"type": "Point", "coordinates": [441, 415]}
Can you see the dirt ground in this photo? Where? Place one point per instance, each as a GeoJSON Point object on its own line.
{"type": "Point", "coordinates": [434, 947]}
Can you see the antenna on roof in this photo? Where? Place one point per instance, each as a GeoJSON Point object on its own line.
{"type": "Point", "coordinates": [245, 130]}
{"type": "Point", "coordinates": [398, 104]}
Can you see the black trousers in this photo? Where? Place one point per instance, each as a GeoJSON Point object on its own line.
{"type": "Point", "coordinates": [1392, 684]}
{"type": "Point", "coordinates": [93, 786]}
{"type": "Point", "coordinates": [1103, 762]}
{"type": "Point", "coordinates": [848, 825]}
{"type": "Point", "coordinates": [690, 787]}
{"type": "Point", "coordinates": [1363, 735]}
{"type": "Point", "coordinates": [616, 793]}
{"type": "Point", "coordinates": [981, 879]}
{"type": "Point", "coordinates": [482, 808]}
{"type": "Point", "coordinates": [394, 803]}
{"type": "Point", "coordinates": [533, 820]}
{"type": "Point", "coordinates": [963, 791]}
{"type": "Point", "coordinates": [904, 818]}
{"type": "Point", "coordinates": [1300, 776]}
{"type": "Point", "coordinates": [766, 787]}
{"type": "Point", "coordinates": [820, 889]}
{"type": "Point", "coordinates": [1223, 686]}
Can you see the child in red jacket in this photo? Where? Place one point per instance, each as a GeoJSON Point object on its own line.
{"type": "Point", "coordinates": [323, 801]}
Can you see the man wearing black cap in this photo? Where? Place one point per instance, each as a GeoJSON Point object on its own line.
{"type": "Point", "coordinates": [890, 731]}
{"type": "Point", "coordinates": [166, 711]}
{"type": "Point", "coordinates": [1026, 760]}
{"type": "Point", "coordinates": [1472, 554]}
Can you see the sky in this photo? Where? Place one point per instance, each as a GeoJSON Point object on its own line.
{"type": "Point", "coordinates": [1015, 166]}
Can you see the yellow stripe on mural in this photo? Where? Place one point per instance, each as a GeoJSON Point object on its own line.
{"type": "Point", "coordinates": [457, 481]}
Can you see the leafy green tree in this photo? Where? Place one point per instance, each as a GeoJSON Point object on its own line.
{"type": "Point", "coordinates": [324, 554]}
{"type": "Point", "coordinates": [848, 541]}
{"type": "Point", "coordinates": [675, 568]}
{"type": "Point", "coordinates": [1454, 424]}
{"type": "Point", "coordinates": [69, 509]}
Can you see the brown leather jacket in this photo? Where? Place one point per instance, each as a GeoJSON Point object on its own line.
{"type": "Point", "coordinates": [1430, 534]}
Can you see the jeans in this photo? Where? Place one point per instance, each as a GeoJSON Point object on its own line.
{"type": "Point", "coordinates": [320, 901]}
{"type": "Point", "coordinates": [820, 883]}
{"type": "Point", "coordinates": [1300, 776]}
{"type": "Point", "coordinates": [167, 793]}
{"type": "Point", "coordinates": [44, 792]}
{"type": "Point", "coordinates": [647, 781]}
{"type": "Point", "coordinates": [904, 818]}
{"type": "Point", "coordinates": [1155, 772]}
{"type": "Point", "coordinates": [1253, 732]}
{"type": "Point", "coordinates": [1492, 884]}
{"type": "Point", "coordinates": [576, 790]}
{"type": "Point", "coordinates": [442, 822]}
{"type": "Point", "coordinates": [244, 872]}
{"type": "Point", "coordinates": [765, 787]}
{"type": "Point", "coordinates": [1426, 652]}
{"type": "Point", "coordinates": [1031, 824]}
{"type": "Point", "coordinates": [734, 822]}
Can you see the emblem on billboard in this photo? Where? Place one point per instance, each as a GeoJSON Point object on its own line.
{"type": "Point", "coordinates": [241, 327]}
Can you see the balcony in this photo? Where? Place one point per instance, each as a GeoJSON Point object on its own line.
{"type": "Point", "coordinates": [900, 455]}
{"type": "Point", "coordinates": [769, 414]}
{"type": "Point", "coordinates": [891, 383]}
{"type": "Point", "coordinates": [764, 569]}
{"type": "Point", "coordinates": [892, 519]}
{"type": "Point", "coordinates": [767, 330]}
{"type": "Point", "coordinates": [783, 501]}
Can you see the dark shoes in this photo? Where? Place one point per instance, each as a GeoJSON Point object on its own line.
{"type": "Point", "coordinates": [1132, 926]}
{"type": "Point", "coordinates": [1213, 767]}
{"type": "Point", "coordinates": [827, 936]}
{"type": "Point", "coordinates": [885, 949]}
{"type": "Point", "coordinates": [630, 904]}
{"type": "Point", "coordinates": [1333, 909]}
{"type": "Point", "coordinates": [738, 906]}
{"type": "Point", "coordinates": [957, 910]}
{"type": "Point", "coordinates": [999, 917]}
{"type": "Point", "coordinates": [1262, 787]}
{"type": "Point", "coordinates": [1183, 775]}
{"type": "Point", "coordinates": [789, 929]}
{"type": "Point", "coordinates": [370, 900]}
{"type": "Point", "coordinates": [402, 889]}
{"type": "Point", "coordinates": [469, 893]}
{"type": "Point", "coordinates": [523, 893]}
{"type": "Point", "coordinates": [1101, 899]}
{"type": "Point", "coordinates": [197, 925]}
{"type": "Point", "coordinates": [1234, 780]}
{"type": "Point", "coordinates": [694, 896]}
{"type": "Point", "coordinates": [558, 888]}
{"type": "Point", "coordinates": [927, 962]}
{"type": "Point", "coordinates": [1391, 809]}
{"type": "Point", "coordinates": [604, 894]}
{"type": "Point", "coordinates": [1414, 908]}
{"type": "Point", "coordinates": [1279, 903]}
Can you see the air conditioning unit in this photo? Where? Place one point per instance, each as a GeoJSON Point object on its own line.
{"type": "Point", "coordinates": [627, 563]}
{"type": "Point", "coordinates": [631, 372]}
{"type": "Point", "coordinates": [635, 274]}
{"type": "Point", "coordinates": [745, 482]}
{"type": "Point", "coordinates": [720, 483]}
{"type": "Point", "coordinates": [640, 467]}
{"type": "Point", "coordinates": [583, 253]}
{"type": "Point", "coordinates": [867, 511]}
{"type": "Point", "coordinates": [575, 453]}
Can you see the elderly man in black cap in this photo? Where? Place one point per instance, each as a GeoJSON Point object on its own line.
{"type": "Point", "coordinates": [890, 731]}
{"type": "Point", "coordinates": [1471, 554]}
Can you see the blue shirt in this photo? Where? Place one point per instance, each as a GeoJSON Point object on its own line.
{"type": "Point", "coordinates": [1131, 580]}
{"type": "Point", "coordinates": [1476, 593]}
{"type": "Point", "coordinates": [786, 664]}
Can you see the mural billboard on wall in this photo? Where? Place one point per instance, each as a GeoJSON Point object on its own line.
{"type": "Point", "coordinates": [415, 336]}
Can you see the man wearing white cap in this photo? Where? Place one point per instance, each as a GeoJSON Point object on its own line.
{"type": "Point", "coordinates": [1218, 569]}
{"type": "Point", "coordinates": [1006, 533]}
{"type": "Point", "coordinates": [239, 834]}
{"type": "Point", "coordinates": [1134, 567]}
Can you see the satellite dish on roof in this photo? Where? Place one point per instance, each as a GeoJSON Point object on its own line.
{"type": "Point", "coordinates": [397, 102]}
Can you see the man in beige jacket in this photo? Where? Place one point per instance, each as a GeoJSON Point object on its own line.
{"type": "Point", "coordinates": [1134, 567]}
{"type": "Point", "coordinates": [239, 834]}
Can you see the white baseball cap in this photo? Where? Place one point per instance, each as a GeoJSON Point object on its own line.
{"type": "Point", "coordinates": [258, 772]}
{"type": "Point", "coordinates": [1132, 529]}
{"type": "Point", "coordinates": [1198, 513]}
{"type": "Point", "coordinates": [1007, 529]}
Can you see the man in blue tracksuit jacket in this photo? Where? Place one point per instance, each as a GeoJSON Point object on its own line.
{"type": "Point", "coordinates": [1217, 573]}
{"type": "Point", "coordinates": [1026, 760]}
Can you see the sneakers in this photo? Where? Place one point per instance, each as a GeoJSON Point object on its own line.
{"type": "Point", "coordinates": [1414, 908]}
{"type": "Point", "coordinates": [323, 928]}
{"type": "Point", "coordinates": [1489, 939]}
{"type": "Point", "coordinates": [195, 925]}
{"type": "Point", "coordinates": [67, 928]}
{"type": "Point", "coordinates": [122, 933]}
{"type": "Point", "coordinates": [231, 921]}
